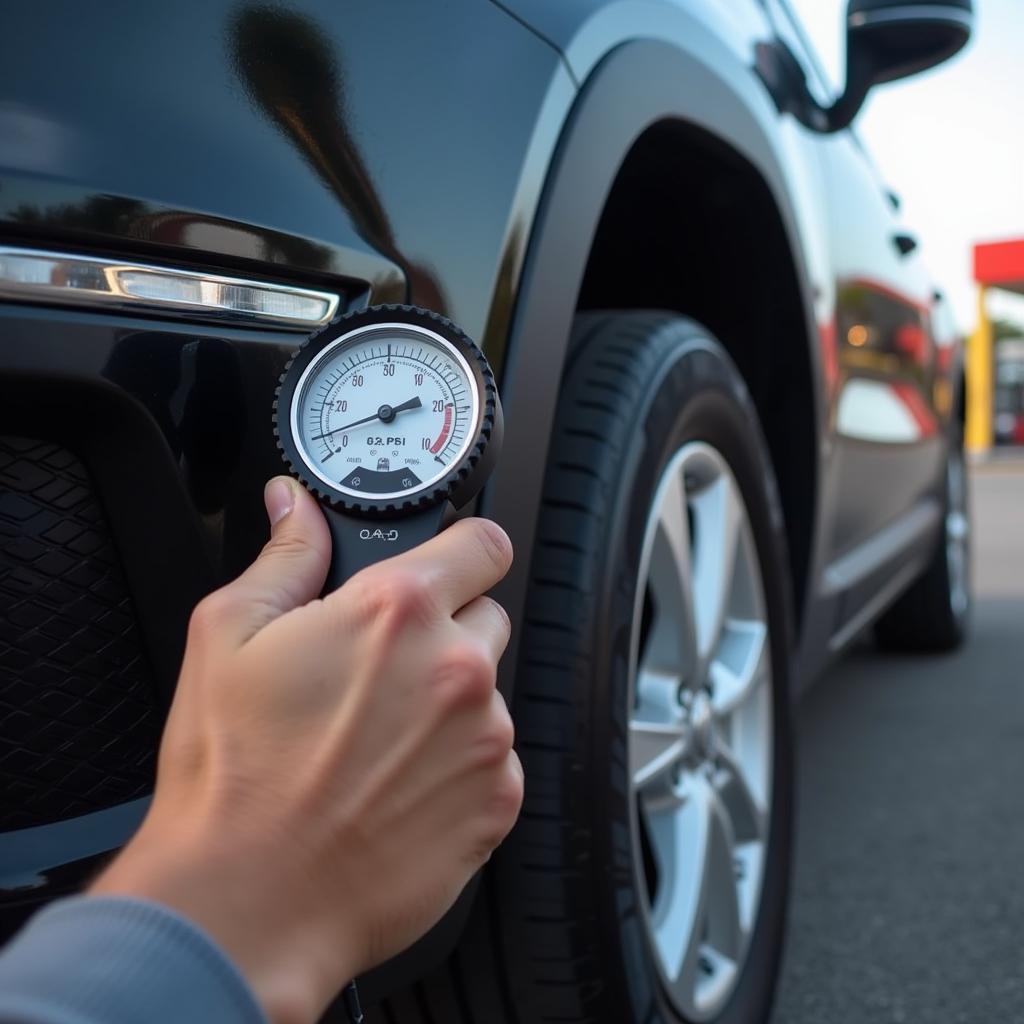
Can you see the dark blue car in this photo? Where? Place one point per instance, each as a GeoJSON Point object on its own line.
{"type": "Point", "coordinates": [733, 432]}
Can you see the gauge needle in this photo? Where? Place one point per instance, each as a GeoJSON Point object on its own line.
{"type": "Point", "coordinates": [386, 413]}
{"type": "Point", "coordinates": [413, 403]}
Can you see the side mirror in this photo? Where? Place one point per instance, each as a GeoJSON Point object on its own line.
{"type": "Point", "coordinates": [890, 39]}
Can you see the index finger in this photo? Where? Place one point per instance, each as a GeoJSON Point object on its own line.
{"type": "Point", "coordinates": [460, 563]}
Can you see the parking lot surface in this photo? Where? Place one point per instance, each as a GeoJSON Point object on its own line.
{"type": "Point", "coordinates": [908, 892]}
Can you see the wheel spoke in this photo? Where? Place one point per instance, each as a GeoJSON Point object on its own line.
{"type": "Point", "coordinates": [721, 901]}
{"type": "Point", "coordinates": [658, 736]}
{"type": "Point", "coordinates": [715, 935]}
{"type": "Point", "coordinates": [672, 641]}
{"type": "Point", "coordinates": [680, 838]}
{"type": "Point", "coordinates": [740, 665]}
{"type": "Point", "coordinates": [747, 812]}
{"type": "Point", "coordinates": [719, 513]}
{"type": "Point", "coordinates": [654, 747]}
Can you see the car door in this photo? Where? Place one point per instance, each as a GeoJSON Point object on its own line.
{"type": "Point", "coordinates": [887, 442]}
{"type": "Point", "coordinates": [884, 439]}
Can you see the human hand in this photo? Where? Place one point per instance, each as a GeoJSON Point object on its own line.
{"type": "Point", "coordinates": [333, 771]}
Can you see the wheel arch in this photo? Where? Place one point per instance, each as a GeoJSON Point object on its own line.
{"type": "Point", "coordinates": [636, 93]}
{"type": "Point", "coordinates": [706, 240]}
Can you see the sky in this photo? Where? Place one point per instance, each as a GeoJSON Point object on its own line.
{"type": "Point", "coordinates": [949, 142]}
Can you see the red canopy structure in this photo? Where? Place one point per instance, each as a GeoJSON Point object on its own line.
{"type": "Point", "coordinates": [996, 265]}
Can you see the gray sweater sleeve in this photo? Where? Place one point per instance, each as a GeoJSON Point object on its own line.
{"type": "Point", "coordinates": [113, 960]}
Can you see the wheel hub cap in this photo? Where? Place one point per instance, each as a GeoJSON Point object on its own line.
{"type": "Point", "coordinates": [702, 725]}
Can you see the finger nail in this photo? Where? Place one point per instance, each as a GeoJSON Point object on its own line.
{"type": "Point", "coordinates": [279, 499]}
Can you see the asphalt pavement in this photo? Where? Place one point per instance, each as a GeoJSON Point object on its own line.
{"type": "Point", "coordinates": [908, 890]}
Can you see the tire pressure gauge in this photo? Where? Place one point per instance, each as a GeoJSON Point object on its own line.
{"type": "Point", "coordinates": [390, 416]}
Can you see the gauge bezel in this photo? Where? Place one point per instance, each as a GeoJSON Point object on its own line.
{"type": "Point", "coordinates": [471, 464]}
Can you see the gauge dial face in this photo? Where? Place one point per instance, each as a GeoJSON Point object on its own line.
{"type": "Point", "coordinates": [385, 411]}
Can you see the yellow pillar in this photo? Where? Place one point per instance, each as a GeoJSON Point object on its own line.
{"type": "Point", "coordinates": [980, 381]}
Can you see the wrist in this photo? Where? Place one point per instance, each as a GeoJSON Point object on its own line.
{"type": "Point", "coordinates": [249, 914]}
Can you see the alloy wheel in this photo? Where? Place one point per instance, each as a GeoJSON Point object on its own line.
{"type": "Point", "coordinates": [957, 535]}
{"type": "Point", "coordinates": [700, 731]}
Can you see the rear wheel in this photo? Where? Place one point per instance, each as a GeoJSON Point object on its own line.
{"type": "Point", "coordinates": [933, 614]}
{"type": "Point", "coordinates": [646, 879]}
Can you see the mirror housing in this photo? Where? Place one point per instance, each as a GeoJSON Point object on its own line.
{"type": "Point", "coordinates": [890, 39]}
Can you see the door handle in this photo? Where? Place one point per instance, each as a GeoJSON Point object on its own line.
{"type": "Point", "coordinates": [905, 243]}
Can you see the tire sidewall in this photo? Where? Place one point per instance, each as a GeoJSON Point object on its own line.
{"type": "Point", "coordinates": [697, 396]}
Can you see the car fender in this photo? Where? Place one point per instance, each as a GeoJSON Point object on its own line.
{"type": "Point", "coordinates": [630, 81]}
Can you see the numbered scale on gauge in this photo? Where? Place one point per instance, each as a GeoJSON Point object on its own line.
{"type": "Point", "coordinates": [389, 413]}
{"type": "Point", "coordinates": [391, 417]}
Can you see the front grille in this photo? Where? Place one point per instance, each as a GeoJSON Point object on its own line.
{"type": "Point", "coordinates": [78, 718]}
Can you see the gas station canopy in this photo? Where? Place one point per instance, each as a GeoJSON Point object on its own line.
{"type": "Point", "coordinates": [1000, 265]}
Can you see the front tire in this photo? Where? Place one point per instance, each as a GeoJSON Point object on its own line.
{"type": "Point", "coordinates": [623, 694]}
{"type": "Point", "coordinates": [626, 703]}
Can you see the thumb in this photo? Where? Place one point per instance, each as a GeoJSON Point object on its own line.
{"type": "Point", "coordinates": [289, 571]}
